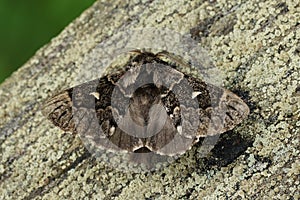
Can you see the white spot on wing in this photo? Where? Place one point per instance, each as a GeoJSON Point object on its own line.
{"type": "Point", "coordinates": [96, 95]}
{"type": "Point", "coordinates": [112, 130]}
{"type": "Point", "coordinates": [195, 94]}
{"type": "Point", "coordinates": [179, 129]}
{"type": "Point", "coordinates": [176, 110]}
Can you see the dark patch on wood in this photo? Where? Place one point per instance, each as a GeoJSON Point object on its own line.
{"type": "Point", "coordinates": [229, 147]}
{"type": "Point", "coordinates": [297, 50]}
{"type": "Point", "coordinates": [297, 90]}
{"type": "Point", "coordinates": [271, 119]}
{"type": "Point", "coordinates": [223, 26]}
{"type": "Point", "coordinates": [203, 28]}
{"type": "Point", "coordinates": [283, 8]}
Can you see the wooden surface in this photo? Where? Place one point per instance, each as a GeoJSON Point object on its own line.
{"type": "Point", "coordinates": [256, 44]}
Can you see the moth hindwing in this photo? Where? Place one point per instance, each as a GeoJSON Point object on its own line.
{"type": "Point", "coordinates": [147, 105]}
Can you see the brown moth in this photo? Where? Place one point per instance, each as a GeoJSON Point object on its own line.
{"type": "Point", "coordinates": [166, 114]}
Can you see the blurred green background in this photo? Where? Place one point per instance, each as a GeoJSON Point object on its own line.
{"type": "Point", "coordinates": [28, 25]}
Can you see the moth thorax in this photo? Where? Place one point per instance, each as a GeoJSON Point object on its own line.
{"type": "Point", "coordinates": [141, 103]}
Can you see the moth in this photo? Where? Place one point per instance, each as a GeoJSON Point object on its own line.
{"type": "Point", "coordinates": [149, 105]}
